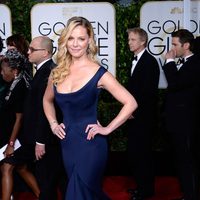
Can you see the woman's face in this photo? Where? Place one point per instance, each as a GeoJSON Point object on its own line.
{"type": "Point", "coordinates": [7, 72]}
{"type": "Point", "coordinates": [78, 42]}
{"type": "Point", "coordinates": [10, 47]}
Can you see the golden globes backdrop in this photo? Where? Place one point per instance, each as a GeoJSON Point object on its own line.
{"type": "Point", "coordinates": [160, 19]}
{"type": "Point", "coordinates": [5, 23]}
{"type": "Point", "coordinates": [48, 19]}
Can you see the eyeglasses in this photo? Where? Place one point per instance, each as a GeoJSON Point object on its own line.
{"type": "Point", "coordinates": [31, 49]}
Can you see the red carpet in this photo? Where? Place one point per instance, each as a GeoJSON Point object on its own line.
{"type": "Point", "coordinates": [167, 188]}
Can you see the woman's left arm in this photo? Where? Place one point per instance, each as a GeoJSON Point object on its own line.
{"type": "Point", "coordinates": [129, 105]}
{"type": "Point", "coordinates": [17, 125]}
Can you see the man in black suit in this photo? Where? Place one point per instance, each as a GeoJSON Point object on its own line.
{"type": "Point", "coordinates": [38, 141]}
{"type": "Point", "coordinates": [182, 108]}
{"type": "Point", "coordinates": [143, 85]}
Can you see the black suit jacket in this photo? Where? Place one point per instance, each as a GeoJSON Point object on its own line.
{"type": "Point", "coordinates": [182, 100]}
{"type": "Point", "coordinates": [36, 127]}
{"type": "Point", "coordinates": [143, 85]}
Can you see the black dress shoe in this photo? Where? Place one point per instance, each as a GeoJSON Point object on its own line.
{"type": "Point", "coordinates": [136, 195]}
{"type": "Point", "coordinates": [181, 198]}
{"type": "Point", "coordinates": [136, 198]}
{"type": "Point", "coordinates": [132, 191]}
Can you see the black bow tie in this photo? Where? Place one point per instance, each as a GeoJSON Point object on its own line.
{"type": "Point", "coordinates": [180, 61]}
{"type": "Point", "coordinates": [135, 58]}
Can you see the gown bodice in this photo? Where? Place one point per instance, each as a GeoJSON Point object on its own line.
{"type": "Point", "coordinates": [81, 105]}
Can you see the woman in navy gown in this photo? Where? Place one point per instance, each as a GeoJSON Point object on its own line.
{"type": "Point", "coordinates": [75, 84]}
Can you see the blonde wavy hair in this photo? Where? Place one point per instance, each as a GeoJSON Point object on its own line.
{"type": "Point", "coordinates": [64, 58]}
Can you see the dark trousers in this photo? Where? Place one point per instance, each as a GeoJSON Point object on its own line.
{"type": "Point", "coordinates": [184, 146]}
{"type": "Point", "coordinates": [140, 156]}
{"type": "Point", "coordinates": [50, 174]}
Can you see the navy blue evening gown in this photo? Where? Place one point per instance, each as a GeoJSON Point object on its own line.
{"type": "Point", "coordinates": [84, 160]}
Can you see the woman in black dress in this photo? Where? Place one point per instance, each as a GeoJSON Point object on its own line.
{"type": "Point", "coordinates": [2, 82]}
{"type": "Point", "coordinates": [19, 42]}
{"type": "Point", "coordinates": [13, 71]}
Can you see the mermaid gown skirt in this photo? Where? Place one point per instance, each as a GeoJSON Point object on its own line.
{"type": "Point", "coordinates": [84, 160]}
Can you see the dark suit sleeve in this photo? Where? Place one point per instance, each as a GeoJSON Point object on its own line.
{"type": "Point", "coordinates": [146, 86]}
{"type": "Point", "coordinates": [185, 78]}
{"type": "Point", "coordinates": [151, 77]}
{"type": "Point", "coordinates": [43, 130]}
{"type": "Point", "coordinates": [170, 71]}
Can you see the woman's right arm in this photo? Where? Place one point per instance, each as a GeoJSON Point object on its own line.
{"type": "Point", "coordinates": [48, 103]}
{"type": "Point", "coordinates": [50, 112]}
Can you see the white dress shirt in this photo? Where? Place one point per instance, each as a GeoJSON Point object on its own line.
{"type": "Point", "coordinates": [134, 62]}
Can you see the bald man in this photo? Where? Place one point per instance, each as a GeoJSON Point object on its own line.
{"type": "Point", "coordinates": [38, 141]}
